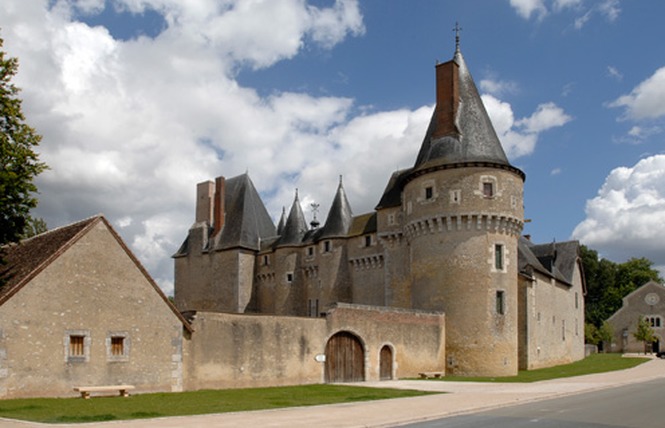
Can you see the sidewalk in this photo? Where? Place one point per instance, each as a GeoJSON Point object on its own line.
{"type": "Point", "coordinates": [461, 397]}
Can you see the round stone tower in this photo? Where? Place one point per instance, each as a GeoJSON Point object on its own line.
{"type": "Point", "coordinates": [463, 208]}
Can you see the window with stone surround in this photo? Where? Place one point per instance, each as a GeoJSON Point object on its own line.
{"type": "Point", "coordinates": [499, 263]}
{"type": "Point", "coordinates": [117, 346]}
{"type": "Point", "coordinates": [77, 346]}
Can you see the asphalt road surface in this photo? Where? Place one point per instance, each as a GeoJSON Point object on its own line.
{"type": "Point", "coordinates": [639, 405]}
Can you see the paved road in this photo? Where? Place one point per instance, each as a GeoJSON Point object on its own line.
{"type": "Point", "coordinates": [638, 405]}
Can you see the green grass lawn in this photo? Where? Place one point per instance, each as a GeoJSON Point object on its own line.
{"type": "Point", "coordinates": [71, 410]}
{"type": "Point", "coordinates": [595, 363]}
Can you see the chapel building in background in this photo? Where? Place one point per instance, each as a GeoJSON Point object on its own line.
{"type": "Point", "coordinates": [445, 237]}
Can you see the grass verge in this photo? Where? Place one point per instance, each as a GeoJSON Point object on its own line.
{"type": "Point", "coordinates": [73, 410]}
{"type": "Point", "coordinates": [595, 363]}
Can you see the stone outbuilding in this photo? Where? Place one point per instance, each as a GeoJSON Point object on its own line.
{"type": "Point", "coordinates": [648, 301]}
{"type": "Point", "coordinates": [76, 309]}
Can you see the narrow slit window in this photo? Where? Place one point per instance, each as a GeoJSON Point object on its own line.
{"type": "Point", "coordinates": [498, 257]}
{"type": "Point", "coordinates": [500, 302]}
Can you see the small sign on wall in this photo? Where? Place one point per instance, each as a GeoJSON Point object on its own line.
{"type": "Point", "coordinates": [320, 358]}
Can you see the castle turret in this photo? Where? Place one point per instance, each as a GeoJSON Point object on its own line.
{"type": "Point", "coordinates": [463, 214]}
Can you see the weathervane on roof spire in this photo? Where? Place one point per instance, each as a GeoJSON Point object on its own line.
{"type": "Point", "coordinates": [457, 30]}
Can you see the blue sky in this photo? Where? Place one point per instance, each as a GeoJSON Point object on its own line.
{"type": "Point", "coordinates": [140, 100]}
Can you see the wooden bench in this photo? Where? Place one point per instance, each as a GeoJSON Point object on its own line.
{"type": "Point", "coordinates": [430, 375]}
{"type": "Point", "coordinates": [86, 390]}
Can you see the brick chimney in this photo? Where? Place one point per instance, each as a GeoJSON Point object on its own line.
{"type": "Point", "coordinates": [204, 197]}
{"type": "Point", "coordinates": [219, 210]}
{"type": "Point", "coordinates": [447, 99]}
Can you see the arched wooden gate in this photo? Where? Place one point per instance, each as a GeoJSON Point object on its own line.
{"type": "Point", "coordinates": [345, 358]}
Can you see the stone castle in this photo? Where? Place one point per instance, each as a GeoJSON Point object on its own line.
{"type": "Point", "coordinates": [444, 237]}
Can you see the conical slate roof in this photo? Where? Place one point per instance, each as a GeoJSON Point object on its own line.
{"type": "Point", "coordinates": [339, 217]}
{"type": "Point", "coordinates": [295, 226]}
{"type": "Point", "coordinates": [247, 221]}
{"type": "Point", "coordinates": [460, 131]}
{"type": "Point", "coordinates": [282, 220]}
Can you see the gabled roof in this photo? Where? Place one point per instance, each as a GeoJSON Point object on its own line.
{"type": "Point", "coordinates": [557, 260]}
{"type": "Point", "coordinates": [24, 260]}
{"type": "Point", "coordinates": [247, 221]}
{"type": "Point", "coordinates": [339, 217]}
{"type": "Point", "coordinates": [295, 226]}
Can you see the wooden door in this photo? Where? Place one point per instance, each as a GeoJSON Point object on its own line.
{"type": "Point", "coordinates": [386, 363]}
{"type": "Point", "coordinates": [345, 359]}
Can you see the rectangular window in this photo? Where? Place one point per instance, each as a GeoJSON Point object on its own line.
{"type": "Point", "coordinates": [368, 240]}
{"type": "Point", "coordinates": [500, 302]}
{"type": "Point", "coordinates": [117, 346]}
{"type": "Point", "coordinates": [577, 303]}
{"type": "Point", "coordinates": [327, 246]}
{"type": "Point", "coordinates": [429, 192]}
{"type": "Point", "coordinates": [310, 251]}
{"type": "Point", "coordinates": [289, 277]}
{"type": "Point", "coordinates": [76, 346]}
{"type": "Point", "coordinates": [563, 329]}
{"type": "Point", "coordinates": [266, 261]}
{"type": "Point", "coordinates": [488, 190]}
{"type": "Point", "coordinates": [498, 256]}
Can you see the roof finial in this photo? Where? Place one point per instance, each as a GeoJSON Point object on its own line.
{"type": "Point", "coordinates": [457, 30]}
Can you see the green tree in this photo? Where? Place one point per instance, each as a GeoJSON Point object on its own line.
{"type": "Point", "coordinates": [644, 333]}
{"type": "Point", "coordinates": [608, 283]}
{"type": "Point", "coordinates": [34, 226]}
{"type": "Point", "coordinates": [19, 163]}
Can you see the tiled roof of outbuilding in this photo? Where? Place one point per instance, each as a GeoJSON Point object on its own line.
{"type": "Point", "coordinates": [24, 260]}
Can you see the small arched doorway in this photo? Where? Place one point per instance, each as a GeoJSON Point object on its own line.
{"type": "Point", "coordinates": [386, 363]}
{"type": "Point", "coordinates": [345, 358]}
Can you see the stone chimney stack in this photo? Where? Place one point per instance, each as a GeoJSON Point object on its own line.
{"type": "Point", "coordinates": [447, 99]}
{"type": "Point", "coordinates": [219, 210]}
{"type": "Point", "coordinates": [204, 198]}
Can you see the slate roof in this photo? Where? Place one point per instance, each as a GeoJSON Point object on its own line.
{"type": "Point", "coordinates": [24, 260]}
{"type": "Point", "coordinates": [295, 225]}
{"type": "Point", "coordinates": [557, 260]}
{"type": "Point", "coordinates": [247, 221]}
{"type": "Point", "coordinates": [339, 217]}
{"type": "Point", "coordinates": [460, 130]}
{"type": "Point", "coordinates": [363, 224]}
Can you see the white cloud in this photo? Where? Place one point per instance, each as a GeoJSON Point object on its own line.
{"type": "Point", "coordinates": [614, 73]}
{"type": "Point", "coordinates": [131, 126]}
{"type": "Point", "coordinates": [646, 100]}
{"type": "Point", "coordinates": [519, 137]}
{"type": "Point", "coordinates": [527, 8]}
{"type": "Point", "coordinates": [541, 8]}
{"type": "Point", "coordinates": [625, 219]}
{"type": "Point", "coordinates": [498, 87]}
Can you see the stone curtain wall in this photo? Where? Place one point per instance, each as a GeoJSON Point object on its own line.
{"type": "Point", "coordinates": [236, 351]}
